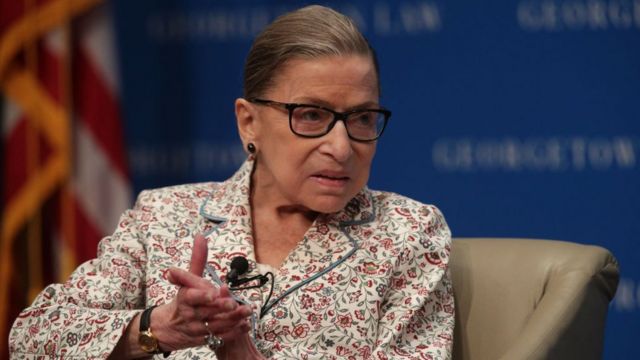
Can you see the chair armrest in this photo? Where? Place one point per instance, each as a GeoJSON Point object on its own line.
{"type": "Point", "coordinates": [530, 299]}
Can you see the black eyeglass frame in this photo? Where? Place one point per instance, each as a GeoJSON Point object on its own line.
{"type": "Point", "coordinates": [290, 107]}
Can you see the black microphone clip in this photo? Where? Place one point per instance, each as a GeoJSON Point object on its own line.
{"type": "Point", "coordinates": [238, 267]}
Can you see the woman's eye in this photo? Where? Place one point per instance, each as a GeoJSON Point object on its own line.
{"type": "Point", "coordinates": [311, 115]}
{"type": "Point", "coordinates": [365, 119]}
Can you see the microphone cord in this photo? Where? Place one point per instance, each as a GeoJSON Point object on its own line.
{"type": "Point", "coordinates": [259, 285]}
{"type": "Point", "coordinates": [264, 304]}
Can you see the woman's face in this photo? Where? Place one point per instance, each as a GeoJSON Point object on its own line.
{"type": "Point", "coordinates": [318, 174]}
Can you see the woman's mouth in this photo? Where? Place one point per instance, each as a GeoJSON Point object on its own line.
{"type": "Point", "coordinates": [333, 180]}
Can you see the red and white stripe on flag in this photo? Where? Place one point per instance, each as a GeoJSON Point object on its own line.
{"type": "Point", "coordinates": [65, 179]}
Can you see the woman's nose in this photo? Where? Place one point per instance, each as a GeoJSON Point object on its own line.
{"type": "Point", "coordinates": [338, 143]}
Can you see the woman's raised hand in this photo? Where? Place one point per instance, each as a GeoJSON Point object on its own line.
{"type": "Point", "coordinates": [183, 322]}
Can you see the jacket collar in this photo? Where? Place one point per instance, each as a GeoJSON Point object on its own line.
{"type": "Point", "coordinates": [231, 199]}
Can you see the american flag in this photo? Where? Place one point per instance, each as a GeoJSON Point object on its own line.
{"type": "Point", "coordinates": [65, 180]}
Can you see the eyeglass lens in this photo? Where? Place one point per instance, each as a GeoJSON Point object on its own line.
{"type": "Point", "coordinates": [312, 121]}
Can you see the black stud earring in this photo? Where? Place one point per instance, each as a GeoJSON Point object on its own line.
{"type": "Point", "coordinates": [251, 148]}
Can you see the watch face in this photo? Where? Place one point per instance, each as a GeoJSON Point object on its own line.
{"type": "Point", "coordinates": [147, 342]}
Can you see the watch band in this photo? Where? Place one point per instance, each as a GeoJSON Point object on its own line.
{"type": "Point", "coordinates": [145, 326]}
{"type": "Point", "coordinates": [145, 319]}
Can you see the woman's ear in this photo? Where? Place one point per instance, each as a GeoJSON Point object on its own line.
{"type": "Point", "coordinates": [246, 119]}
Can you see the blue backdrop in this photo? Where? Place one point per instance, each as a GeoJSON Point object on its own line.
{"type": "Point", "coordinates": [517, 118]}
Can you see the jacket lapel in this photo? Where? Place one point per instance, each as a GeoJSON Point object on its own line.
{"type": "Point", "coordinates": [327, 244]}
{"type": "Point", "coordinates": [227, 227]}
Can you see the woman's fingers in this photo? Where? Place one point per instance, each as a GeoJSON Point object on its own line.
{"type": "Point", "coordinates": [196, 266]}
{"type": "Point", "coordinates": [224, 291]}
{"type": "Point", "coordinates": [184, 278]}
{"type": "Point", "coordinates": [220, 318]}
{"type": "Point", "coordinates": [232, 316]}
{"type": "Point", "coordinates": [198, 255]}
{"type": "Point", "coordinates": [226, 312]}
{"type": "Point", "coordinates": [198, 297]}
{"type": "Point", "coordinates": [225, 329]}
{"type": "Point", "coordinates": [209, 304]}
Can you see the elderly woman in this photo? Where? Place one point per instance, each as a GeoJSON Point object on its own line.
{"type": "Point", "coordinates": [350, 272]}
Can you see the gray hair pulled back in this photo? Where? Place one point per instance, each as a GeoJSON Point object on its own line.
{"type": "Point", "coordinates": [310, 32]}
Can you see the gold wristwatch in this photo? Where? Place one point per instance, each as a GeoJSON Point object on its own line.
{"type": "Point", "coordinates": [147, 341]}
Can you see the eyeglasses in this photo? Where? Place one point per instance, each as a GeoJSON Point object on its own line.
{"type": "Point", "coordinates": [312, 121]}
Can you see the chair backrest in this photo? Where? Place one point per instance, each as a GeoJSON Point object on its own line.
{"type": "Point", "coordinates": [530, 299]}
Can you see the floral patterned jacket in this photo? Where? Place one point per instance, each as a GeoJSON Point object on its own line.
{"type": "Point", "coordinates": [369, 282]}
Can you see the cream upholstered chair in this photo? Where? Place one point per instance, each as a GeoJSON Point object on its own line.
{"type": "Point", "coordinates": [530, 299]}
